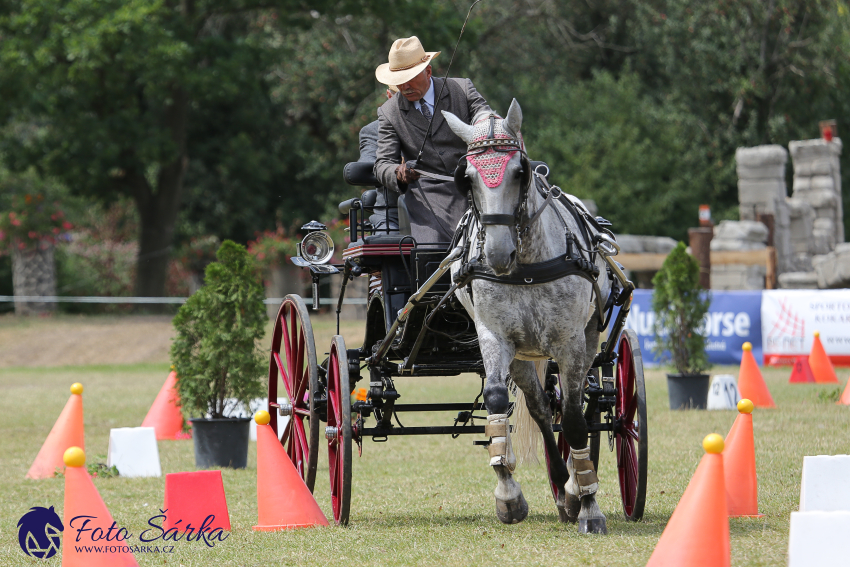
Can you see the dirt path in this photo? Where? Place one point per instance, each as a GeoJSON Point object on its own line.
{"type": "Point", "coordinates": [72, 340]}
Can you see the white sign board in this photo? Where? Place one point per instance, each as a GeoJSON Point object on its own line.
{"type": "Point", "coordinates": [723, 393]}
{"type": "Point", "coordinates": [789, 319]}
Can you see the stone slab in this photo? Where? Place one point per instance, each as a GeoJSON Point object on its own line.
{"type": "Point", "coordinates": [723, 393]}
{"type": "Point", "coordinates": [818, 539]}
{"type": "Point", "coordinates": [133, 451]}
{"type": "Point", "coordinates": [798, 280]}
{"type": "Point", "coordinates": [759, 156]}
{"type": "Point", "coordinates": [824, 486]}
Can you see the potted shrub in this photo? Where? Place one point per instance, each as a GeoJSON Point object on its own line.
{"type": "Point", "coordinates": [680, 304]}
{"type": "Point", "coordinates": [217, 357]}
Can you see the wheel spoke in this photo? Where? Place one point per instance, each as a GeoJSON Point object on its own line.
{"type": "Point", "coordinates": [287, 343]}
{"type": "Point", "coordinates": [283, 375]}
{"type": "Point", "coordinates": [631, 408]}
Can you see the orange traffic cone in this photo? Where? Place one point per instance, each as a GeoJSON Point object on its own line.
{"type": "Point", "coordinates": [164, 415]}
{"type": "Point", "coordinates": [844, 400]}
{"type": "Point", "coordinates": [802, 372]}
{"type": "Point", "coordinates": [67, 432]}
{"type": "Point", "coordinates": [78, 539]}
{"type": "Point", "coordinates": [820, 363]}
{"type": "Point", "coordinates": [697, 534]}
{"type": "Point", "coordinates": [283, 500]}
{"type": "Point", "coordinates": [750, 381]}
{"type": "Point", "coordinates": [739, 465]}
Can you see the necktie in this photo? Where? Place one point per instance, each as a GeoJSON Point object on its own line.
{"type": "Point", "coordinates": [423, 106]}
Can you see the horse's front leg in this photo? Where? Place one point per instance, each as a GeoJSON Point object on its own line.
{"type": "Point", "coordinates": [511, 507]}
{"type": "Point", "coordinates": [583, 483]}
{"type": "Point", "coordinates": [525, 376]}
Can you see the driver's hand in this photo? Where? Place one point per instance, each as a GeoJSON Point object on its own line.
{"type": "Point", "coordinates": [405, 174]}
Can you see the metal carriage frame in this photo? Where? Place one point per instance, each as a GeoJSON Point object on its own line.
{"type": "Point", "coordinates": [416, 327]}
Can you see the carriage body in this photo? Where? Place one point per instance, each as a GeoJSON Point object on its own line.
{"type": "Point", "coordinates": [415, 326]}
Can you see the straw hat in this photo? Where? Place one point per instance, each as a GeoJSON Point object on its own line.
{"type": "Point", "coordinates": [406, 60]}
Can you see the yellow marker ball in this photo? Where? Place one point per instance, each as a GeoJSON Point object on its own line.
{"type": "Point", "coordinates": [747, 346]}
{"type": "Point", "coordinates": [76, 388]}
{"type": "Point", "coordinates": [262, 417]}
{"type": "Point", "coordinates": [74, 457]}
{"type": "Point", "coordinates": [745, 406]}
{"type": "Point", "coordinates": [817, 334]}
{"type": "Point", "coordinates": [713, 443]}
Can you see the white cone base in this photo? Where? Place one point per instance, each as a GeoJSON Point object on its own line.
{"type": "Point", "coordinates": [825, 487]}
{"type": "Point", "coordinates": [817, 538]}
{"type": "Point", "coordinates": [133, 451]}
{"type": "Point", "coordinates": [723, 393]}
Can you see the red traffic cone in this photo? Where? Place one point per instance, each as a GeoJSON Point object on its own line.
{"type": "Point", "coordinates": [283, 500]}
{"type": "Point", "coordinates": [802, 373]}
{"type": "Point", "coordinates": [750, 381]}
{"type": "Point", "coordinates": [67, 432]}
{"type": "Point", "coordinates": [164, 415]}
{"type": "Point", "coordinates": [83, 499]}
{"type": "Point", "coordinates": [820, 363]}
{"type": "Point", "coordinates": [739, 466]}
{"type": "Point", "coordinates": [844, 400]}
{"type": "Point", "coordinates": [697, 534]}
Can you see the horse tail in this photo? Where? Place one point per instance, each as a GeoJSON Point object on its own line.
{"type": "Point", "coordinates": [526, 433]}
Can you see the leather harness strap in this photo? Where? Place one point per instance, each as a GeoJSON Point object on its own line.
{"type": "Point", "coordinates": [527, 274]}
{"type": "Point", "coordinates": [496, 430]}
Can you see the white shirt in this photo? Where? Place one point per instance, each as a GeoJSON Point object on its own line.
{"type": "Point", "coordinates": [428, 99]}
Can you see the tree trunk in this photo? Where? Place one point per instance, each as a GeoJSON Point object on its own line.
{"type": "Point", "coordinates": [158, 209]}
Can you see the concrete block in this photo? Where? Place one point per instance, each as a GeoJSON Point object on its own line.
{"type": "Point", "coordinates": [810, 150]}
{"type": "Point", "coordinates": [751, 231]}
{"type": "Point", "coordinates": [824, 486]}
{"type": "Point", "coordinates": [798, 280]}
{"type": "Point", "coordinates": [823, 182]}
{"type": "Point", "coordinates": [801, 183]}
{"type": "Point", "coordinates": [817, 538]}
{"type": "Point", "coordinates": [133, 451]}
{"type": "Point", "coordinates": [723, 393]}
{"type": "Point", "coordinates": [760, 190]}
{"type": "Point", "coordinates": [769, 171]}
{"type": "Point", "coordinates": [759, 156]}
{"type": "Point", "coordinates": [821, 166]}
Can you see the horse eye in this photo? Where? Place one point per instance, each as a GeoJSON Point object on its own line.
{"type": "Point", "coordinates": [518, 173]}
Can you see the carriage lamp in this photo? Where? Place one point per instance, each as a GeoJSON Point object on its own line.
{"type": "Point", "coordinates": [317, 248]}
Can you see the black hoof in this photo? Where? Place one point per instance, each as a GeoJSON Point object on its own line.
{"type": "Point", "coordinates": [573, 508]}
{"type": "Point", "coordinates": [596, 526]}
{"type": "Point", "coordinates": [512, 511]}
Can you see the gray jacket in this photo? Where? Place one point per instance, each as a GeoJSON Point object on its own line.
{"type": "Point", "coordinates": [368, 151]}
{"type": "Point", "coordinates": [435, 207]}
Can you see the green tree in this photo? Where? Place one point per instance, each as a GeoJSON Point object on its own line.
{"type": "Point", "coordinates": [216, 353]}
{"type": "Point", "coordinates": [117, 96]}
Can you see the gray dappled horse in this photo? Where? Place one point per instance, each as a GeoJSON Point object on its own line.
{"type": "Point", "coordinates": [520, 324]}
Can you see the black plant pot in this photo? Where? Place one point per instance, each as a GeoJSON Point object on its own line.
{"type": "Point", "coordinates": [687, 391]}
{"type": "Point", "coordinates": [221, 442]}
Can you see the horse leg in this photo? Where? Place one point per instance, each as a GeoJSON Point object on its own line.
{"type": "Point", "coordinates": [582, 486]}
{"type": "Point", "coordinates": [511, 507]}
{"type": "Point", "coordinates": [524, 375]}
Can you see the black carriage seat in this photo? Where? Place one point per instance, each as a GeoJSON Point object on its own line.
{"type": "Point", "coordinates": [361, 174]}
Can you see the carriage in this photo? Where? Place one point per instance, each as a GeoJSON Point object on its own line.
{"type": "Point", "coordinates": [416, 327]}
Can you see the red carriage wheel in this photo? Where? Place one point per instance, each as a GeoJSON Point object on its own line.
{"type": "Point", "coordinates": [338, 431]}
{"type": "Point", "coordinates": [630, 430]}
{"type": "Point", "coordinates": [293, 358]}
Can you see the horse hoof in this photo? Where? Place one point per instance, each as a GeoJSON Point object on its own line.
{"type": "Point", "coordinates": [564, 518]}
{"type": "Point", "coordinates": [572, 510]}
{"type": "Point", "coordinates": [512, 511]}
{"type": "Point", "coordinates": [594, 526]}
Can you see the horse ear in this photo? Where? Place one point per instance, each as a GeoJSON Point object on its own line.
{"type": "Point", "coordinates": [514, 118]}
{"type": "Point", "coordinates": [462, 129]}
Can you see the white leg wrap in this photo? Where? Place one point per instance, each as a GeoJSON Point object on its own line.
{"type": "Point", "coordinates": [499, 431]}
{"type": "Point", "coordinates": [583, 479]}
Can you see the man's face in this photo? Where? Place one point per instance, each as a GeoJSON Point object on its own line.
{"type": "Point", "coordinates": [415, 88]}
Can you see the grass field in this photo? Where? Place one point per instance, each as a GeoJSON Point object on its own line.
{"type": "Point", "coordinates": [425, 501]}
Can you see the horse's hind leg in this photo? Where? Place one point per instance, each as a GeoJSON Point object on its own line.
{"type": "Point", "coordinates": [525, 376]}
{"type": "Point", "coordinates": [511, 507]}
{"type": "Point", "coordinates": [583, 484]}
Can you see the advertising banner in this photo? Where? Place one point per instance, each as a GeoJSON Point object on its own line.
{"type": "Point", "coordinates": [733, 318]}
{"type": "Point", "coordinates": [789, 319]}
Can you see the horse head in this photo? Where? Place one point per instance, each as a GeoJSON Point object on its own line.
{"type": "Point", "coordinates": [496, 171]}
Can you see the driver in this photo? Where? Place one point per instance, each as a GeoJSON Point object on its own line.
{"type": "Point", "coordinates": [434, 205]}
